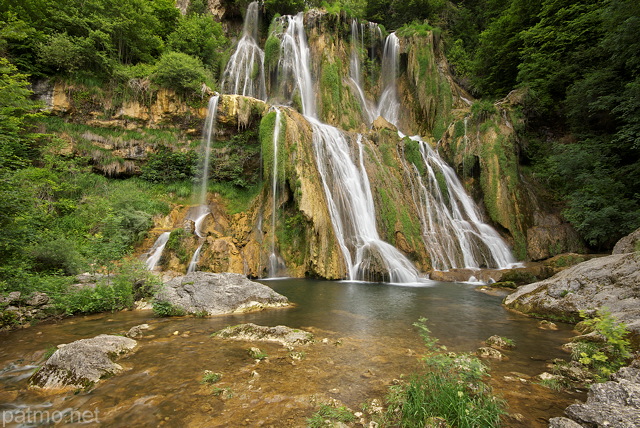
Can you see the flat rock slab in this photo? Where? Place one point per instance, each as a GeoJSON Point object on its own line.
{"type": "Point", "coordinates": [611, 281]}
{"type": "Point", "coordinates": [218, 293]}
{"type": "Point", "coordinates": [83, 363]}
{"type": "Point", "coordinates": [281, 334]}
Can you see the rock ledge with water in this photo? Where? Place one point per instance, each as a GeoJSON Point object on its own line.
{"type": "Point", "coordinates": [218, 293]}
{"type": "Point", "coordinates": [284, 335]}
{"type": "Point", "coordinates": [83, 363]}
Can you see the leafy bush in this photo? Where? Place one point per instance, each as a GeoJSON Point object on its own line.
{"type": "Point", "coordinates": [181, 72]}
{"type": "Point", "coordinates": [199, 36]}
{"type": "Point", "coordinates": [166, 165]}
{"type": "Point", "coordinates": [482, 110]}
{"type": "Point", "coordinates": [57, 255]}
{"type": "Point", "coordinates": [166, 309]}
{"type": "Point", "coordinates": [604, 358]}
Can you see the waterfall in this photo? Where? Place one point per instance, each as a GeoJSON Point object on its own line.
{"type": "Point", "coordinates": [275, 265]}
{"type": "Point", "coordinates": [156, 250]}
{"type": "Point", "coordinates": [193, 264]}
{"type": "Point", "coordinates": [346, 185]}
{"type": "Point", "coordinates": [207, 136]}
{"type": "Point", "coordinates": [388, 105]}
{"type": "Point", "coordinates": [244, 73]}
{"type": "Point", "coordinates": [356, 72]}
{"type": "Point", "coordinates": [294, 63]}
{"type": "Point", "coordinates": [453, 232]}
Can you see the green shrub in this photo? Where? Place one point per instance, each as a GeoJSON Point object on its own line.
{"type": "Point", "coordinates": [57, 255]}
{"type": "Point", "coordinates": [180, 72]}
{"type": "Point", "coordinates": [210, 377]}
{"type": "Point", "coordinates": [166, 165]}
{"type": "Point", "coordinates": [604, 358]}
{"type": "Point", "coordinates": [166, 309]}
{"type": "Point", "coordinates": [482, 110]}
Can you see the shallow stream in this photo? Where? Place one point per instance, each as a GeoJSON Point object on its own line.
{"type": "Point", "coordinates": [369, 342]}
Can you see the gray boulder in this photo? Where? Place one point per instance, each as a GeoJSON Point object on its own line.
{"type": "Point", "coordinates": [82, 363]}
{"type": "Point", "coordinates": [218, 293]}
{"type": "Point", "coordinates": [614, 404]}
{"type": "Point", "coordinates": [627, 244]}
{"type": "Point", "coordinates": [612, 281]}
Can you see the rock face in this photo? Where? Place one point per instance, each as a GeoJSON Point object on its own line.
{"type": "Point", "coordinates": [82, 363]}
{"type": "Point", "coordinates": [612, 281]}
{"type": "Point", "coordinates": [627, 244]}
{"type": "Point", "coordinates": [218, 293]}
{"type": "Point", "coordinates": [280, 334]}
{"type": "Point", "coordinates": [613, 404]}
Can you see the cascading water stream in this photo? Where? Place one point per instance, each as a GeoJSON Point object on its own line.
{"type": "Point", "coordinates": [156, 251]}
{"type": "Point", "coordinates": [452, 229]}
{"type": "Point", "coordinates": [244, 73]}
{"type": "Point", "coordinates": [346, 186]}
{"type": "Point", "coordinates": [356, 73]}
{"type": "Point", "coordinates": [275, 265]}
{"type": "Point", "coordinates": [388, 105]}
{"type": "Point", "coordinates": [202, 211]}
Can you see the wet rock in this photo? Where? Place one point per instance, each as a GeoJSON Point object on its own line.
{"type": "Point", "coordinates": [547, 325]}
{"type": "Point", "coordinates": [13, 298]}
{"type": "Point", "coordinates": [281, 334]}
{"type": "Point", "coordinates": [498, 342]}
{"type": "Point", "coordinates": [137, 331]}
{"type": "Point", "coordinates": [218, 293]}
{"type": "Point", "coordinates": [549, 240]}
{"type": "Point", "coordinates": [38, 299]}
{"type": "Point", "coordinates": [83, 363]}
{"type": "Point", "coordinates": [486, 352]}
{"type": "Point", "coordinates": [611, 281]}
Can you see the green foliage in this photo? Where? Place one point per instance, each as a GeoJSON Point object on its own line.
{"type": "Point", "coordinates": [166, 165]}
{"type": "Point", "coordinates": [395, 13]}
{"type": "Point", "coordinates": [181, 72]}
{"type": "Point", "coordinates": [413, 154]}
{"type": "Point", "coordinates": [166, 309]}
{"type": "Point", "coordinates": [198, 36]}
{"type": "Point", "coordinates": [237, 160]}
{"type": "Point", "coordinates": [284, 7]}
{"type": "Point", "coordinates": [326, 412]}
{"type": "Point", "coordinates": [483, 110]}
{"type": "Point", "coordinates": [271, 52]}
{"type": "Point", "coordinates": [450, 388]}
{"type": "Point", "coordinates": [607, 357]}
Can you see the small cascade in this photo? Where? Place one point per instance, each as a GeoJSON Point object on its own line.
{"type": "Point", "coordinates": [193, 264]}
{"type": "Point", "coordinates": [294, 64]}
{"type": "Point", "coordinates": [207, 136]}
{"type": "Point", "coordinates": [244, 74]}
{"type": "Point", "coordinates": [275, 263]}
{"type": "Point", "coordinates": [388, 105]}
{"type": "Point", "coordinates": [156, 250]}
{"type": "Point", "coordinates": [355, 72]}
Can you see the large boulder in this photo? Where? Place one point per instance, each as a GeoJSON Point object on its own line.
{"type": "Point", "coordinates": [83, 363]}
{"type": "Point", "coordinates": [627, 244]}
{"type": "Point", "coordinates": [611, 281]}
{"type": "Point", "coordinates": [218, 293]}
{"type": "Point", "coordinates": [613, 404]}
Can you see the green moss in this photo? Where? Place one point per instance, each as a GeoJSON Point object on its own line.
{"type": "Point", "coordinates": [413, 155]}
{"type": "Point", "coordinates": [271, 52]}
